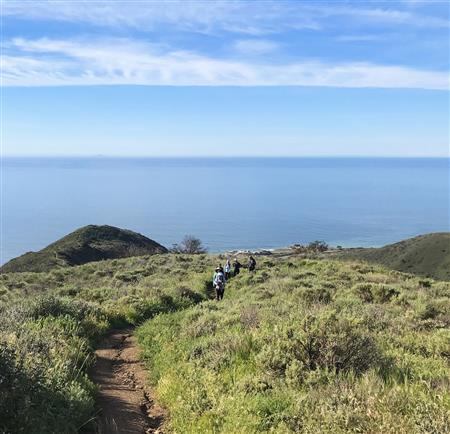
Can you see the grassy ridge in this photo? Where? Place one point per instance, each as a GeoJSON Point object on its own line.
{"type": "Point", "coordinates": [426, 255]}
{"type": "Point", "coordinates": [87, 244]}
{"type": "Point", "coordinates": [307, 346]}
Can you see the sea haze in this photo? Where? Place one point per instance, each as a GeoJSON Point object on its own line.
{"type": "Point", "coordinates": [230, 203]}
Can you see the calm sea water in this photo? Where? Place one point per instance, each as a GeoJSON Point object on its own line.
{"type": "Point", "coordinates": [233, 203]}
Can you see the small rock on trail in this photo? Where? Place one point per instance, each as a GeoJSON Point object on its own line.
{"type": "Point", "coordinates": [125, 401]}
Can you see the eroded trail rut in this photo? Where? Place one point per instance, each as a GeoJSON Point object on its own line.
{"type": "Point", "coordinates": [125, 401]}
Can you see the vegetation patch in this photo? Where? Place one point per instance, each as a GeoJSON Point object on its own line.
{"type": "Point", "coordinates": [300, 345]}
{"type": "Point", "coordinates": [51, 323]}
{"type": "Point", "coordinates": [426, 255]}
{"type": "Point", "coordinates": [336, 355]}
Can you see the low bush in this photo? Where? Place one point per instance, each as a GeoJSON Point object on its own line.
{"type": "Point", "coordinates": [44, 387]}
{"type": "Point", "coordinates": [429, 311]}
{"type": "Point", "coordinates": [329, 342]}
{"type": "Point", "coordinates": [316, 295]}
{"type": "Point", "coordinates": [375, 292]}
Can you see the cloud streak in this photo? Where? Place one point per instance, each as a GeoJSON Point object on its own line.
{"type": "Point", "coordinates": [49, 62]}
{"type": "Point", "coordinates": [245, 17]}
{"type": "Point", "coordinates": [251, 18]}
{"type": "Point", "coordinates": [385, 15]}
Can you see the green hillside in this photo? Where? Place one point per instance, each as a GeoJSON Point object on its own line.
{"type": "Point", "coordinates": [425, 255]}
{"type": "Point", "coordinates": [300, 346]}
{"type": "Point", "coordinates": [87, 244]}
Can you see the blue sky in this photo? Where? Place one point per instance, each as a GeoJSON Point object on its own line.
{"type": "Point", "coordinates": [226, 78]}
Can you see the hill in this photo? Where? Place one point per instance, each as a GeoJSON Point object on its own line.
{"type": "Point", "coordinates": [300, 345]}
{"type": "Point", "coordinates": [87, 244]}
{"type": "Point", "coordinates": [426, 255]}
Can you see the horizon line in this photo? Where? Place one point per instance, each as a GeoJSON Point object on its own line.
{"type": "Point", "coordinates": [99, 156]}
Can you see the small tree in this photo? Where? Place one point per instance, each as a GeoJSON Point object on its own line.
{"type": "Point", "coordinates": [190, 245]}
{"type": "Point", "coordinates": [318, 246]}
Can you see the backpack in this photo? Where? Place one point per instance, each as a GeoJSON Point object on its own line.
{"type": "Point", "coordinates": [220, 279]}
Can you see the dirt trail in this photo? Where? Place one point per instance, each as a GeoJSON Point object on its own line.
{"type": "Point", "coordinates": [124, 399]}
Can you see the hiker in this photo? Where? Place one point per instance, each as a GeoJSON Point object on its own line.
{"type": "Point", "coordinates": [219, 282]}
{"type": "Point", "coordinates": [227, 269]}
{"type": "Point", "coordinates": [236, 267]}
{"type": "Point", "coordinates": [251, 264]}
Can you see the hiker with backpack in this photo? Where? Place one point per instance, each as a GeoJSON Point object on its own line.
{"type": "Point", "coordinates": [251, 264]}
{"type": "Point", "coordinates": [236, 267]}
{"type": "Point", "coordinates": [219, 281]}
{"type": "Point", "coordinates": [227, 269]}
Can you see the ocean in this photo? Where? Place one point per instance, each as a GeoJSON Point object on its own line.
{"type": "Point", "coordinates": [229, 203]}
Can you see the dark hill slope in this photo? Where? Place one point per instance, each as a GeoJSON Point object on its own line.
{"type": "Point", "coordinates": [426, 255]}
{"type": "Point", "coordinates": [87, 244]}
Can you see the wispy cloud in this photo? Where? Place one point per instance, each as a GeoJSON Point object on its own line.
{"type": "Point", "coordinates": [47, 62]}
{"type": "Point", "coordinates": [386, 15]}
{"type": "Point", "coordinates": [246, 17]}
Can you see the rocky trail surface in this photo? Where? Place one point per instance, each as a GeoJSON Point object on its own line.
{"type": "Point", "coordinates": [125, 400]}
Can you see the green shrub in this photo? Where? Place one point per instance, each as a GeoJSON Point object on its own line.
{"type": "Point", "coordinates": [41, 386]}
{"type": "Point", "coordinates": [316, 295]}
{"type": "Point", "coordinates": [429, 311]}
{"type": "Point", "coordinates": [384, 293]}
{"type": "Point", "coordinates": [425, 283]}
{"type": "Point", "coordinates": [188, 294]}
{"type": "Point", "coordinates": [329, 342]}
{"type": "Point", "coordinates": [375, 292]}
